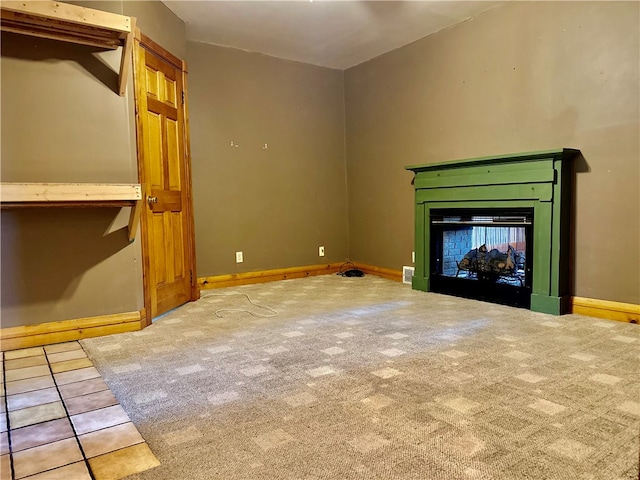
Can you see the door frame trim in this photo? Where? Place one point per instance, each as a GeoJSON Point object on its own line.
{"type": "Point", "coordinates": [142, 41]}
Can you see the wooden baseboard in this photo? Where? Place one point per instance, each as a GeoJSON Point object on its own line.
{"type": "Point", "coordinates": [621, 312]}
{"type": "Point", "coordinates": [235, 279]}
{"type": "Point", "coordinates": [380, 271]}
{"type": "Point", "coordinates": [27, 336]}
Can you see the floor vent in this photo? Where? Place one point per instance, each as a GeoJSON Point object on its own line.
{"type": "Point", "coordinates": [407, 274]}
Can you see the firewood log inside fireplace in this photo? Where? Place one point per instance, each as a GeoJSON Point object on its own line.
{"type": "Point", "coordinates": [490, 263]}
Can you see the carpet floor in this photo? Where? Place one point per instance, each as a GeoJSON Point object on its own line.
{"type": "Point", "coordinates": [363, 378]}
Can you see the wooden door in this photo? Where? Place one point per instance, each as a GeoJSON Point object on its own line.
{"type": "Point", "coordinates": [164, 170]}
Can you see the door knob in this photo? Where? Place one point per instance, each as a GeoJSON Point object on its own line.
{"type": "Point", "coordinates": [151, 200]}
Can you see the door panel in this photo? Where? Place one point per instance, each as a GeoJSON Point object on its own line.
{"type": "Point", "coordinates": [170, 91]}
{"type": "Point", "coordinates": [154, 149]}
{"type": "Point", "coordinates": [153, 85]}
{"type": "Point", "coordinates": [164, 170]}
{"type": "Point", "coordinates": [156, 231]}
{"type": "Point", "coordinates": [173, 149]}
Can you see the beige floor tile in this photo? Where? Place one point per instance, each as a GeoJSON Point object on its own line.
{"type": "Point", "coordinates": [25, 352]}
{"type": "Point", "coordinates": [33, 415]}
{"type": "Point", "coordinates": [71, 365]}
{"type": "Point", "coordinates": [74, 471]}
{"type": "Point", "coordinates": [26, 372]}
{"type": "Point", "coordinates": [110, 439]}
{"type": "Point", "coordinates": [29, 385]}
{"type": "Point", "coordinates": [82, 388]}
{"type": "Point", "coordinates": [4, 443]}
{"type": "Point", "coordinates": [2, 387]}
{"type": "Point", "coordinates": [64, 356]}
{"type": "Point", "coordinates": [52, 455]}
{"type": "Point", "coordinates": [65, 378]}
{"type": "Point", "coordinates": [91, 401]}
{"type": "Point", "coordinates": [3, 423]}
{"type": "Point", "coordinates": [26, 362]}
{"type": "Point", "coordinates": [63, 347]}
{"type": "Point", "coordinates": [98, 419]}
{"type": "Point", "coordinates": [41, 433]}
{"type": "Point", "coordinates": [124, 462]}
{"type": "Point", "coordinates": [5, 467]}
{"type": "Point", "coordinates": [31, 399]}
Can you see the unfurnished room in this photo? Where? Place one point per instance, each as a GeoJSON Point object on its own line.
{"type": "Point", "coordinates": [320, 240]}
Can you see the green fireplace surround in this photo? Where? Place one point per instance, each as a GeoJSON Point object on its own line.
{"type": "Point", "coordinates": [537, 180]}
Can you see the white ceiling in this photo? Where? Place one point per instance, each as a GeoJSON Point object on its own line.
{"type": "Point", "coordinates": [335, 34]}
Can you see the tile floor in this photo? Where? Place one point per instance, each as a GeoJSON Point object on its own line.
{"type": "Point", "coordinates": [59, 420]}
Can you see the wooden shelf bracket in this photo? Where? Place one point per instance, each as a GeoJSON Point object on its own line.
{"type": "Point", "coordinates": [134, 219]}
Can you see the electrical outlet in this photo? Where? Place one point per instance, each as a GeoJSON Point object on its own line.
{"type": "Point", "coordinates": [413, 257]}
{"type": "Point", "coordinates": [321, 251]}
{"type": "Point", "coordinates": [239, 257]}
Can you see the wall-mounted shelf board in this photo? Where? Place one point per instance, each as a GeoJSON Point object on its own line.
{"type": "Point", "coordinates": [71, 23]}
{"type": "Point", "coordinates": [20, 195]}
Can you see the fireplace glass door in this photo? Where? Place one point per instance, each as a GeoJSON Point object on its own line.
{"type": "Point", "coordinates": [483, 254]}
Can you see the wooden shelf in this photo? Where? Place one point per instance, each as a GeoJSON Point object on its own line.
{"type": "Point", "coordinates": [69, 192]}
{"type": "Point", "coordinates": [71, 23]}
{"type": "Point", "coordinates": [20, 195]}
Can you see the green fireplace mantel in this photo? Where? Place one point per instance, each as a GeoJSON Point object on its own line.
{"type": "Point", "coordinates": [538, 180]}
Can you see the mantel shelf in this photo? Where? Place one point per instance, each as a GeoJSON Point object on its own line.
{"type": "Point", "coordinates": [19, 195]}
{"type": "Point", "coordinates": [71, 23]}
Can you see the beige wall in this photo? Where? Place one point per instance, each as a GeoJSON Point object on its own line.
{"type": "Point", "coordinates": [63, 122]}
{"type": "Point", "coordinates": [276, 205]}
{"type": "Point", "coordinates": [522, 77]}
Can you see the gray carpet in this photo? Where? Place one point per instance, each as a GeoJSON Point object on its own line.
{"type": "Point", "coordinates": [364, 378]}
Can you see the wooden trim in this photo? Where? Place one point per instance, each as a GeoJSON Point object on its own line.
{"type": "Point", "coordinates": [139, 94]}
{"type": "Point", "coordinates": [235, 279]}
{"type": "Point", "coordinates": [67, 330]}
{"type": "Point", "coordinates": [195, 291]}
{"type": "Point", "coordinates": [388, 273]}
{"type": "Point", "coordinates": [246, 278]}
{"type": "Point", "coordinates": [621, 312]}
{"type": "Point", "coordinates": [158, 50]}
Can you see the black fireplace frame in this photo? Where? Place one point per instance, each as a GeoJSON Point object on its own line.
{"type": "Point", "coordinates": [481, 288]}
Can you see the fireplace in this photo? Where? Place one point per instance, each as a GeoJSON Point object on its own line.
{"type": "Point", "coordinates": [482, 253]}
{"type": "Point", "coordinates": [496, 229]}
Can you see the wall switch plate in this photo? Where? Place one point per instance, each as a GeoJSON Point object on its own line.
{"type": "Point", "coordinates": [321, 251]}
{"type": "Point", "coordinates": [239, 257]}
{"type": "Point", "coordinates": [413, 257]}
